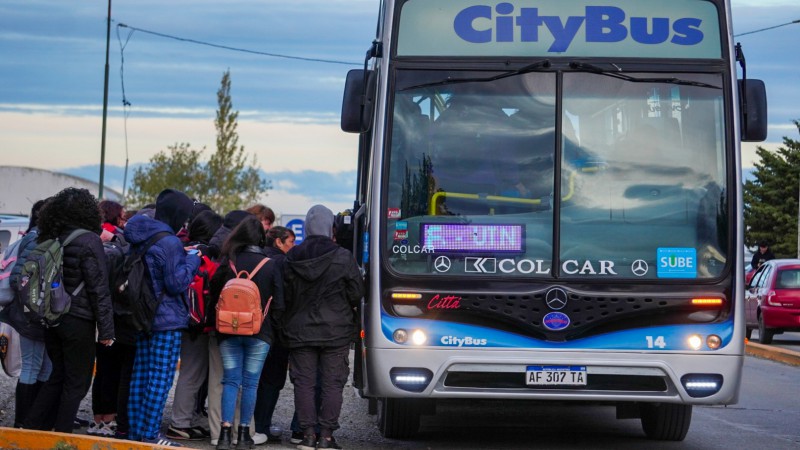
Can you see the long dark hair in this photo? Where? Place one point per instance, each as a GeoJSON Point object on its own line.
{"type": "Point", "coordinates": [69, 209]}
{"type": "Point", "coordinates": [248, 232]}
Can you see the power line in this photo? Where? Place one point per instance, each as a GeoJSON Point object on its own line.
{"type": "Point", "coordinates": [768, 28]}
{"type": "Point", "coordinates": [236, 49]}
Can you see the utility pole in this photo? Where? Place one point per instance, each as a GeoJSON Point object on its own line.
{"type": "Point", "coordinates": [105, 106]}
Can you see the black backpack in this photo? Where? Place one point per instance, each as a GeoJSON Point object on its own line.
{"type": "Point", "coordinates": [132, 289]}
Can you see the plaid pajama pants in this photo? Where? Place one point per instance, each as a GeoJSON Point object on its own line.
{"type": "Point", "coordinates": [153, 373]}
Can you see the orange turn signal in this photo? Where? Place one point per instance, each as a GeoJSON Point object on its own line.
{"type": "Point", "coordinates": [406, 296]}
{"type": "Point", "coordinates": [707, 301]}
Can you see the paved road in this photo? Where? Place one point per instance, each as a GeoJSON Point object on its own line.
{"type": "Point", "coordinates": [764, 418]}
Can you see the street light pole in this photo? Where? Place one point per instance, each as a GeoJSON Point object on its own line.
{"type": "Point", "coordinates": [105, 107]}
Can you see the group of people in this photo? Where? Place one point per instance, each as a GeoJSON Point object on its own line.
{"type": "Point", "coordinates": [228, 384]}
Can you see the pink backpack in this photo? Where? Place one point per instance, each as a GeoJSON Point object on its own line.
{"type": "Point", "coordinates": [239, 306]}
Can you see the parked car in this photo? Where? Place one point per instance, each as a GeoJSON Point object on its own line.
{"type": "Point", "coordinates": [772, 299]}
{"type": "Point", "coordinates": [11, 229]}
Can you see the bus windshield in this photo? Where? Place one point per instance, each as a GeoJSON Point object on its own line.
{"type": "Point", "coordinates": [619, 176]}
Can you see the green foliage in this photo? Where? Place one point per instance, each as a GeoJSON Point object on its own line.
{"type": "Point", "coordinates": [232, 183]}
{"type": "Point", "coordinates": [180, 168]}
{"type": "Point", "coordinates": [771, 199]}
{"type": "Point", "coordinates": [229, 180]}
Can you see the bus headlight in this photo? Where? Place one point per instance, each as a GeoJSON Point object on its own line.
{"type": "Point", "coordinates": [695, 342]}
{"type": "Point", "coordinates": [713, 342]}
{"type": "Point", "coordinates": [400, 336]}
{"type": "Point", "coordinates": [418, 337]}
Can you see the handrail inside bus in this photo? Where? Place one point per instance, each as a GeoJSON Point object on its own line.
{"type": "Point", "coordinates": [437, 196]}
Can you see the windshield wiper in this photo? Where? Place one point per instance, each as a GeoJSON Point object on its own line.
{"type": "Point", "coordinates": [538, 65]}
{"type": "Point", "coordinates": [591, 68]}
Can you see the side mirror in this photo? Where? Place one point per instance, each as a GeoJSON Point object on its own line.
{"type": "Point", "coordinates": [359, 101]}
{"type": "Point", "coordinates": [753, 110]}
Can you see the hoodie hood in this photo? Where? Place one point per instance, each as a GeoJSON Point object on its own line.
{"type": "Point", "coordinates": [233, 218]}
{"type": "Point", "coordinates": [173, 208]}
{"type": "Point", "coordinates": [140, 228]}
{"type": "Point", "coordinates": [319, 222]}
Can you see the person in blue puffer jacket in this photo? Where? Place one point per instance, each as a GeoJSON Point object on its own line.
{"type": "Point", "coordinates": [171, 271]}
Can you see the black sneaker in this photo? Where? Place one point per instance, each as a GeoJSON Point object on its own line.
{"type": "Point", "coordinates": [184, 434]}
{"type": "Point", "coordinates": [297, 437]}
{"type": "Point", "coordinates": [328, 443]}
{"type": "Point", "coordinates": [202, 432]}
{"type": "Point", "coordinates": [309, 443]}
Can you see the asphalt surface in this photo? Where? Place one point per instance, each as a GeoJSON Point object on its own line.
{"type": "Point", "coordinates": [358, 430]}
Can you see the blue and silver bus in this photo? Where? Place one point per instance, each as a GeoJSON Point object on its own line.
{"type": "Point", "coordinates": [549, 206]}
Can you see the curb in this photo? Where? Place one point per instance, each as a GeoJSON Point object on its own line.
{"type": "Point", "coordinates": [16, 438]}
{"type": "Point", "coordinates": [778, 354]}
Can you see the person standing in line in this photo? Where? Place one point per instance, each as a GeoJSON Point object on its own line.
{"type": "Point", "coordinates": [187, 423]}
{"type": "Point", "coordinates": [36, 366]}
{"type": "Point", "coordinates": [263, 213]}
{"type": "Point", "coordinates": [171, 271]}
{"type": "Point", "coordinates": [243, 356]}
{"type": "Point", "coordinates": [763, 255]}
{"type": "Point", "coordinates": [70, 345]}
{"type": "Point", "coordinates": [231, 220]}
{"type": "Point", "coordinates": [109, 360]}
{"type": "Point", "coordinates": [273, 377]}
{"type": "Point", "coordinates": [322, 287]}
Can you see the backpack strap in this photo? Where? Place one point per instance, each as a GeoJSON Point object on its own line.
{"type": "Point", "coordinates": [252, 272]}
{"type": "Point", "coordinates": [72, 236]}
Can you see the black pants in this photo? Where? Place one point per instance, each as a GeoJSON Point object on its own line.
{"type": "Point", "coordinates": [334, 366]}
{"type": "Point", "coordinates": [128, 354]}
{"type": "Point", "coordinates": [105, 386]}
{"type": "Point", "coordinates": [273, 378]}
{"type": "Point", "coordinates": [71, 349]}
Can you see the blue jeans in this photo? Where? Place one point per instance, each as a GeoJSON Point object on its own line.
{"type": "Point", "coordinates": [36, 365]}
{"type": "Point", "coordinates": [242, 360]}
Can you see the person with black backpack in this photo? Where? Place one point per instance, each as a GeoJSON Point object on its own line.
{"type": "Point", "coordinates": [36, 366]}
{"type": "Point", "coordinates": [70, 340]}
{"type": "Point", "coordinates": [169, 271]}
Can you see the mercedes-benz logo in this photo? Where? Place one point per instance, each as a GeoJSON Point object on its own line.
{"type": "Point", "coordinates": [556, 299]}
{"type": "Point", "coordinates": [442, 264]}
{"type": "Point", "coordinates": [640, 268]}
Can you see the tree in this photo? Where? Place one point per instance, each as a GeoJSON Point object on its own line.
{"type": "Point", "coordinates": [770, 199]}
{"type": "Point", "coordinates": [179, 169]}
{"type": "Point", "coordinates": [226, 182]}
{"type": "Point", "coordinates": [232, 184]}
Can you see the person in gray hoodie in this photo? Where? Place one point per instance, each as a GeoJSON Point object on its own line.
{"type": "Point", "coordinates": [322, 287]}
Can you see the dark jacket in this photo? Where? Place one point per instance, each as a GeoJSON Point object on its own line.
{"type": "Point", "coordinates": [85, 260]}
{"type": "Point", "coordinates": [171, 271]}
{"type": "Point", "coordinates": [760, 258]}
{"type": "Point", "coordinates": [14, 314]}
{"type": "Point", "coordinates": [269, 282]}
{"type": "Point", "coordinates": [322, 286]}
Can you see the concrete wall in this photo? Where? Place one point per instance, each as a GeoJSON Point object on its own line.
{"type": "Point", "coordinates": [21, 187]}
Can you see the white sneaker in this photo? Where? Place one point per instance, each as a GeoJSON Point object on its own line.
{"type": "Point", "coordinates": [259, 438]}
{"type": "Point", "coordinates": [107, 428]}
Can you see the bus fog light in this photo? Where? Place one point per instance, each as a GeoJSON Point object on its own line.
{"type": "Point", "coordinates": [412, 379]}
{"type": "Point", "coordinates": [400, 336]}
{"type": "Point", "coordinates": [713, 342]}
{"type": "Point", "coordinates": [701, 384]}
{"type": "Point", "coordinates": [695, 342]}
{"type": "Point", "coordinates": [418, 337]}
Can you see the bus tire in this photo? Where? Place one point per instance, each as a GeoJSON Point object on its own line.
{"type": "Point", "coordinates": [665, 421]}
{"type": "Point", "coordinates": [765, 334]}
{"type": "Point", "coordinates": [398, 418]}
{"type": "Point", "coordinates": [372, 406]}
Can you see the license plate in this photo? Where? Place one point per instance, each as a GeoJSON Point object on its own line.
{"type": "Point", "coordinates": [555, 375]}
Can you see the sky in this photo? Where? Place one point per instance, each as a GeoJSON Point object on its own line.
{"type": "Point", "coordinates": [287, 86]}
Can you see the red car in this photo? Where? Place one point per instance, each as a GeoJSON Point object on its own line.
{"type": "Point", "coordinates": [772, 299]}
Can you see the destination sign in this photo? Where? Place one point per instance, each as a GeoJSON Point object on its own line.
{"type": "Point", "coordinates": [484, 238]}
